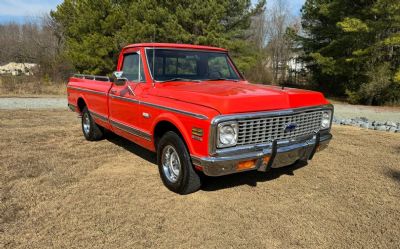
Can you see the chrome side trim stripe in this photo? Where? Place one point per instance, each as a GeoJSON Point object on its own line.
{"type": "Point", "coordinates": [87, 90]}
{"type": "Point", "coordinates": [131, 130]}
{"type": "Point", "coordinates": [191, 114]}
{"type": "Point", "coordinates": [124, 99]}
{"type": "Point", "coordinates": [121, 126]}
{"type": "Point", "coordinates": [99, 116]}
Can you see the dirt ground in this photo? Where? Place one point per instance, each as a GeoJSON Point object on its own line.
{"type": "Point", "coordinates": [59, 191]}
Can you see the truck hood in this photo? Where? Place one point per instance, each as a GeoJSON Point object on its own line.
{"type": "Point", "coordinates": [228, 97]}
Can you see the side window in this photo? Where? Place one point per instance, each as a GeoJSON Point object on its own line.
{"type": "Point", "coordinates": [131, 66]}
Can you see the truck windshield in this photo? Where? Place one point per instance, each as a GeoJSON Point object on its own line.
{"type": "Point", "coordinates": [190, 65]}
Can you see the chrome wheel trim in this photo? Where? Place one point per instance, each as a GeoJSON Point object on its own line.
{"type": "Point", "coordinates": [86, 123]}
{"type": "Point", "coordinates": [171, 163]}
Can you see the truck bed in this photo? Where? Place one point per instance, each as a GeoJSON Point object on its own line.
{"type": "Point", "coordinates": [90, 86]}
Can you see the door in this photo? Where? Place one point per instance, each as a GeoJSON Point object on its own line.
{"type": "Point", "coordinates": [123, 101]}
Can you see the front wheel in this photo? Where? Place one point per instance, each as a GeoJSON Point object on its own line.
{"type": "Point", "coordinates": [175, 166]}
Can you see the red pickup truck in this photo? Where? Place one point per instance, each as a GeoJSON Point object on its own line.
{"type": "Point", "coordinates": [192, 106]}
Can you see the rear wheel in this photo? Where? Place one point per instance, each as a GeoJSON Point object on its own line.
{"type": "Point", "coordinates": [174, 164]}
{"type": "Point", "coordinates": [90, 129]}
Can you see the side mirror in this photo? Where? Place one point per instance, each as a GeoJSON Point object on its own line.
{"type": "Point", "coordinates": [117, 78]}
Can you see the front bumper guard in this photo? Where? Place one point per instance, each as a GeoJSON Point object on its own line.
{"type": "Point", "coordinates": [279, 156]}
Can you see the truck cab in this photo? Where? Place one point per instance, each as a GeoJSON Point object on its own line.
{"type": "Point", "coordinates": [192, 106]}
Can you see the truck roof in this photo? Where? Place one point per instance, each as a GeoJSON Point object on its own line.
{"type": "Point", "coordinates": [174, 45]}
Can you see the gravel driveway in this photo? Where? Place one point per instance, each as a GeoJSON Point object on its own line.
{"type": "Point", "coordinates": [33, 103]}
{"type": "Point", "coordinates": [377, 113]}
{"type": "Point", "coordinates": [341, 110]}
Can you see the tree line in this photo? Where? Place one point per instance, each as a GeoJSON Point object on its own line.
{"type": "Point", "coordinates": [344, 48]}
{"type": "Point", "coordinates": [34, 41]}
{"type": "Point", "coordinates": [353, 48]}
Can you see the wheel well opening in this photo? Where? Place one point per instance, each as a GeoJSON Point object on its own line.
{"type": "Point", "coordinates": [81, 104]}
{"type": "Point", "coordinates": [163, 127]}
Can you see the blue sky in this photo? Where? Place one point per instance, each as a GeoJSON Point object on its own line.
{"type": "Point", "coordinates": [21, 10]}
{"type": "Point", "coordinates": [295, 6]}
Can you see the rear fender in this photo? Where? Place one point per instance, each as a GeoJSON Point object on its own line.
{"type": "Point", "coordinates": [81, 96]}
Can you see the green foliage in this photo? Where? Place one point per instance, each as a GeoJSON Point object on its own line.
{"type": "Point", "coordinates": [327, 64]}
{"type": "Point", "coordinates": [397, 76]}
{"type": "Point", "coordinates": [393, 40]}
{"type": "Point", "coordinates": [353, 25]}
{"type": "Point", "coordinates": [96, 30]}
{"type": "Point", "coordinates": [353, 47]}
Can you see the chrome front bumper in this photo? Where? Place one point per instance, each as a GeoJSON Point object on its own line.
{"type": "Point", "coordinates": [280, 154]}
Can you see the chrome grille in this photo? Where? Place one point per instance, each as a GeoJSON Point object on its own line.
{"type": "Point", "coordinates": [266, 130]}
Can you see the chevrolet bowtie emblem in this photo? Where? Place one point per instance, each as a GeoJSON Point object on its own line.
{"type": "Point", "coordinates": [290, 127]}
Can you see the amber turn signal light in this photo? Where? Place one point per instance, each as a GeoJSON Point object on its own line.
{"type": "Point", "coordinates": [266, 159]}
{"type": "Point", "coordinates": [246, 165]}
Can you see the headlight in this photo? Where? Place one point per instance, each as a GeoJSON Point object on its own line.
{"type": "Point", "coordinates": [227, 134]}
{"type": "Point", "coordinates": [326, 119]}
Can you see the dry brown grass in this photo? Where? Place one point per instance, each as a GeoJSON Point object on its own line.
{"type": "Point", "coordinates": [59, 191]}
{"type": "Point", "coordinates": [30, 86]}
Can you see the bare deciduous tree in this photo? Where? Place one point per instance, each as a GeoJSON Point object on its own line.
{"type": "Point", "coordinates": [279, 44]}
{"type": "Point", "coordinates": [34, 41]}
{"type": "Point", "coordinates": [269, 34]}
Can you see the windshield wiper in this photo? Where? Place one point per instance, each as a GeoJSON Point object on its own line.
{"type": "Point", "coordinates": [178, 79]}
{"type": "Point", "coordinates": [217, 79]}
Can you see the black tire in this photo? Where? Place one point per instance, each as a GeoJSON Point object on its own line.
{"type": "Point", "coordinates": [187, 181]}
{"type": "Point", "coordinates": [92, 132]}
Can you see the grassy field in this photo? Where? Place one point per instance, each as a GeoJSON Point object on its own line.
{"type": "Point", "coordinates": [22, 86]}
{"type": "Point", "coordinates": [59, 191]}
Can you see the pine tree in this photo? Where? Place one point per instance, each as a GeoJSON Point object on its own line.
{"type": "Point", "coordinates": [353, 48]}
{"type": "Point", "coordinates": [96, 30]}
